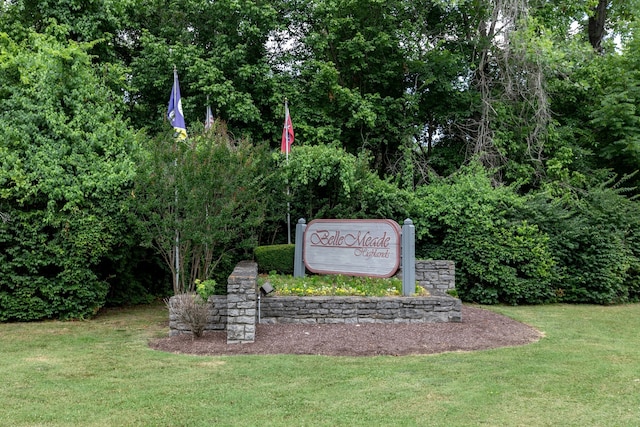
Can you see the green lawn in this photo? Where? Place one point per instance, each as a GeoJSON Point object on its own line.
{"type": "Point", "coordinates": [584, 372]}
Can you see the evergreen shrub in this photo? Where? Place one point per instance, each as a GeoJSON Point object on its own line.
{"type": "Point", "coordinates": [278, 258]}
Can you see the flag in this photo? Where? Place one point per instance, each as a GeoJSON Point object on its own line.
{"type": "Point", "coordinates": [287, 131]}
{"type": "Point", "coordinates": [174, 112]}
{"type": "Point", "coordinates": [208, 121]}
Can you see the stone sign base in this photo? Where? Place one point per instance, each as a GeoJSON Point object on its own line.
{"type": "Point", "coordinates": [241, 308]}
{"type": "Point", "coordinates": [360, 309]}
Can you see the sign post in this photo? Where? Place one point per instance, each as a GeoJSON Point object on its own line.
{"type": "Point", "coordinates": [298, 264]}
{"type": "Point", "coordinates": [408, 258]}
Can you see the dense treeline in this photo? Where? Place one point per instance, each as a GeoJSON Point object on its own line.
{"type": "Point", "coordinates": [509, 131]}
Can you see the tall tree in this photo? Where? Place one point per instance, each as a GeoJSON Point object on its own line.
{"type": "Point", "coordinates": [220, 50]}
{"type": "Point", "coordinates": [350, 72]}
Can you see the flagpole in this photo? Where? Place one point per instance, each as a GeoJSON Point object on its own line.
{"type": "Point", "coordinates": [286, 111]}
{"type": "Point", "coordinates": [175, 164]}
{"type": "Point", "coordinates": [288, 217]}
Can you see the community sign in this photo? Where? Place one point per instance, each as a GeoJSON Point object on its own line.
{"type": "Point", "coordinates": [353, 247]}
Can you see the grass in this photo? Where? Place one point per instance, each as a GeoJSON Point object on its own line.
{"type": "Point", "coordinates": [338, 285]}
{"type": "Point", "coordinates": [584, 372]}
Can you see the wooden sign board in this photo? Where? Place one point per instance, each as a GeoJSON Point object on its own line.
{"type": "Point", "coordinates": [353, 247]}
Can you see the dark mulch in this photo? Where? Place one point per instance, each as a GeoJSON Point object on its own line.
{"type": "Point", "coordinates": [479, 329]}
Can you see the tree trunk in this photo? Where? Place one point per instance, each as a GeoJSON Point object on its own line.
{"type": "Point", "coordinates": [596, 25]}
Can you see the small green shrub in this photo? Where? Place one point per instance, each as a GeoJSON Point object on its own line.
{"type": "Point", "coordinates": [206, 288]}
{"type": "Point", "coordinates": [277, 258]}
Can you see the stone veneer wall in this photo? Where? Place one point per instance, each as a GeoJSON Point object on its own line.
{"type": "Point", "coordinates": [237, 312]}
{"type": "Point", "coordinates": [436, 276]}
{"type": "Point", "coordinates": [360, 309]}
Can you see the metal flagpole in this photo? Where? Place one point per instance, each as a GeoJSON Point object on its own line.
{"type": "Point", "coordinates": [288, 147]}
{"type": "Point", "coordinates": [175, 164]}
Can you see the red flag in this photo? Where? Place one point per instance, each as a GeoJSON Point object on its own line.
{"type": "Point", "coordinates": [287, 131]}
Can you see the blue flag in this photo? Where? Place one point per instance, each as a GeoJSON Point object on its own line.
{"type": "Point", "coordinates": [174, 112]}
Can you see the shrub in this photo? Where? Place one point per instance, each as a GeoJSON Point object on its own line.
{"type": "Point", "coordinates": [327, 182]}
{"type": "Point", "coordinates": [191, 310]}
{"type": "Point", "coordinates": [594, 240]}
{"type": "Point", "coordinates": [277, 258]}
{"type": "Point", "coordinates": [203, 196]}
{"type": "Point", "coordinates": [66, 172]}
{"type": "Point", "coordinates": [206, 288]}
{"type": "Point", "coordinates": [499, 257]}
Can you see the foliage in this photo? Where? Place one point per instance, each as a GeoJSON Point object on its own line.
{"type": "Point", "coordinates": [616, 120]}
{"type": "Point", "coordinates": [386, 97]}
{"type": "Point", "coordinates": [277, 258]}
{"type": "Point", "coordinates": [66, 169]}
{"type": "Point", "coordinates": [594, 242]}
{"type": "Point", "coordinates": [327, 182]}
{"type": "Point", "coordinates": [498, 257]}
{"type": "Point", "coordinates": [340, 285]}
{"type": "Point", "coordinates": [206, 288]}
{"type": "Point", "coordinates": [136, 274]}
{"type": "Point", "coordinates": [219, 49]}
{"type": "Point", "coordinates": [202, 196]}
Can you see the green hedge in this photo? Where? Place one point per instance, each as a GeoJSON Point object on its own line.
{"type": "Point", "coordinates": [278, 258]}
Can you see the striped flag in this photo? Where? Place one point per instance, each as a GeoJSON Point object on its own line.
{"type": "Point", "coordinates": [208, 121]}
{"type": "Point", "coordinates": [174, 111]}
{"type": "Point", "coordinates": [287, 131]}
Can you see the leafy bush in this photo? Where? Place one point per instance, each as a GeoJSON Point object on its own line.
{"type": "Point", "coordinates": [499, 258]}
{"type": "Point", "coordinates": [66, 172]}
{"type": "Point", "coordinates": [594, 242]}
{"type": "Point", "coordinates": [204, 194]}
{"type": "Point", "coordinates": [327, 182]}
{"type": "Point", "coordinates": [277, 258]}
{"type": "Point", "coordinates": [206, 288]}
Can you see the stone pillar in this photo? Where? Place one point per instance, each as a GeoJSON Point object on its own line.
{"type": "Point", "coordinates": [241, 303]}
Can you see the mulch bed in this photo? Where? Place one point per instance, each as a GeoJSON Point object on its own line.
{"type": "Point", "coordinates": [480, 329]}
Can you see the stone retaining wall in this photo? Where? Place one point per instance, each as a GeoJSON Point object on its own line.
{"type": "Point", "coordinates": [437, 276]}
{"type": "Point", "coordinates": [360, 309]}
{"type": "Point", "coordinates": [239, 310]}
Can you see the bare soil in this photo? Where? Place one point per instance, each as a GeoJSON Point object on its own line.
{"type": "Point", "coordinates": [480, 329]}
